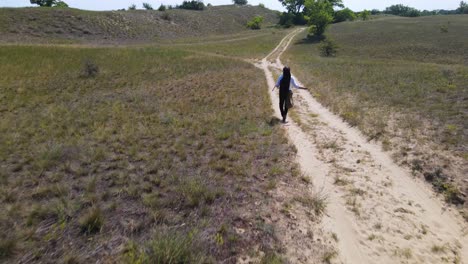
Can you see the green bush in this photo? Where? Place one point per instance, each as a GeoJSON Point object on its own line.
{"type": "Point", "coordinates": [132, 7]}
{"type": "Point", "coordinates": [328, 48]}
{"type": "Point", "coordinates": [239, 2]}
{"type": "Point", "coordinates": [286, 19]}
{"type": "Point", "coordinates": [344, 15]}
{"type": "Point", "coordinates": [61, 4]}
{"type": "Point", "coordinates": [49, 3]}
{"type": "Point", "coordinates": [147, 6]}
{"type": "Point", "coordinates": [162, 8]}
{"type": "Point", "coordinates": [261, 5]}
{"type": "Point", "coordinates": [402, 10]}
{"type": "Point", "coordinates": [192, 5]}
{"type": "Point", "coordinates": [365, 15]}
{"type": "Point", "coordinates": [255, 23]}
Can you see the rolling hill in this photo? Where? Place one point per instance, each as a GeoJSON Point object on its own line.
{"type": "Point", "coordinates": [54, 25]}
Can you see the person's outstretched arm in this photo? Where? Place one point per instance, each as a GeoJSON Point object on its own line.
{"type": "Point", "coordinates": [293, 82]}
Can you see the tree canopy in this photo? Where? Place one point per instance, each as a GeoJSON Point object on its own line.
{"type": "Point", "coordinates": [239, 2]}
{"type": "Point", "coordinates": [320, 13]}
{"type": "Point", "coordinates": [463, 9]}
{"type": "Point", "coordinates": [49, 3]}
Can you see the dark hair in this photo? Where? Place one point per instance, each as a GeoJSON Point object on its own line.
{"type": "Point", "coordinates": [286, 78]}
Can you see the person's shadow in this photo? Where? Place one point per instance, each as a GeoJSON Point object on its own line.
{"type": "Point", "coordinates": [310, 40]}
{"type": "Point", "coordinates": [274, 121]}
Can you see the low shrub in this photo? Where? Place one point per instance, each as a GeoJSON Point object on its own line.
{"type": "Point", "coordinates": [147, 6]}
{"type": "Point", "coordinates": [328, 48]}
{"type": "Point", "coordinates": [90, 69]}
{"type": "Point", "coordinates": [162, 8]}
{"type": "Point", "coordinates": [255, 23]}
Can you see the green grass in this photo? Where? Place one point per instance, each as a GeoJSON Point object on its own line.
{"type": "Point", "coordinates": [167, 248]}
{"type": "Point", "coordinates": [159, 137]}
{"type": "Point", "coordinates": [399, 80]}
{"type": "Point", "coordinates": [259, 46]}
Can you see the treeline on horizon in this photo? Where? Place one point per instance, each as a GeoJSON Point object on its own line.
{"type": "Point", "coordinates": [186, 4]}
{"type": "Point", "coordinates": [402, 10]}
{"type": "Point", "coordinates": [299, 11]}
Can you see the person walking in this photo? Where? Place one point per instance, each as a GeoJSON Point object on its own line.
{"type": "Point", "coordinates": [284, 84]}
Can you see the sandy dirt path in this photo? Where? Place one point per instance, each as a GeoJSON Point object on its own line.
{"type": "Point", "coordinates": [376, 211]}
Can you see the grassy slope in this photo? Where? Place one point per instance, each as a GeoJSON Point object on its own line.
{"type": "Point", "coordinates": [51, 25]}
{"type": "Point", "coordinates": [402, 81]}
{"type": "Point", "coordinates": [163, 149]}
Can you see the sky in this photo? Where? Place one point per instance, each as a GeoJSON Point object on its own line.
{"type": "Point", "coordinates": [356, 5]}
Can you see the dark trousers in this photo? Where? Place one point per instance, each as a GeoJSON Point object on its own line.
{"type": "Point", "coordinates": [283, 96]}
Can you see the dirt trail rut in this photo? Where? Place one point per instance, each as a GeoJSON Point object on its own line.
{"type": "Point", "coordinates": [377, 211]}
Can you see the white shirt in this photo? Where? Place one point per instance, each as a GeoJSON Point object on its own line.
{"type": "Point", "coordinates": [293, 82]}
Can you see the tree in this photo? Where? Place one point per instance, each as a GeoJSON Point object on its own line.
{"type": "Point", "coordinates": [147, 6]}
{"type": "Point", "coordinates": [49, 3]}
{"type": "Point", "coordinates": [320, 13]}
{"type": "Point", "coordinates": [296, 6]}
{"type": "Point", "coordinates": [239, 2]}
{"type": "Point", "coordinates": [293, 6]}
{"type": "Point", "coordinates": [162, 8]}
{"type": "Point", "coordinates": [192, 5]}
{"type": "Point", "coordinates": [463, 9]}
{"type": "Point", "coordinates": [132, 7]}
{"type": "Point", "coordinates": [401, 10]}
{"type": "Point", "coordinates": [255, 22]}
{"type": "Point", "coordinates": [344, 15]}
{"type": "Point", "coordinates": [365, 15]}
{"type": "Point", "coordinates": [61, 4]}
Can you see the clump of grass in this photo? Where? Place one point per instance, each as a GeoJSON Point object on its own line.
{"type": "Point", "coordinates": [335, 236]}
{"type": "Point", "coordinates": [39, 213]}
{"type": "Point", "coordinates": [167, 247]}
{"type": "Point", "coordinates": [7, 247]}
{"type": "Point", "coordinates": [272, 258]}
{"type": "Point", "coordinates": [165, 15]}
{"type": "Point", "coordinates": [316, 202]}
{"type": "Point", "coordinates": [90, 69]}
{"type": "Point", "coordinates": [92, 221]}
{"type": "Point", "coordinates": [438, 249]}
{"type": "Point", "coordinates": [357, 191]}
{"type": "Point", "coordinates": [340, 181]}
{"type": "Point", "coordinates": [403, 252]}
{"type": "Point", "coordinates": [329, 256]}
{"type": "Point", "coordinates": [43, 192]}
{"type": "Point", "coordinates": [194, 191]}
{"type": "Point", "coordinates": [71, 259]}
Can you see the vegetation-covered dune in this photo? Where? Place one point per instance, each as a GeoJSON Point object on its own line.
{"type": "Point", "coordinates": [57, 25]}
{"type": "Point", "coordinates": [404, 82]}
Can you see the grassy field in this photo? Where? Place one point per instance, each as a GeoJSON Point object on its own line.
{"type": "Point", "coordinates": [402, 81]}
{"type": "Point", "coordinates": [57, 26]}
{"type": "Point", "coordinates": [136, 154]}
{"type": "Point", "coordinates": [247, 47]}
